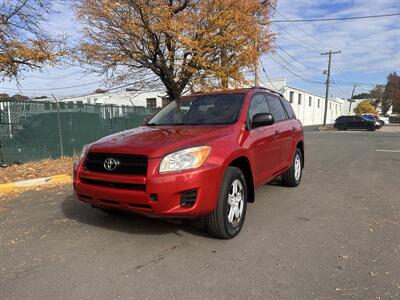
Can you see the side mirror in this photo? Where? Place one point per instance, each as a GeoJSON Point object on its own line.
{"type": "Point", "coordinates": [263, 119]}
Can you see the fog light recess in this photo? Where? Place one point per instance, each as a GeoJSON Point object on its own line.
{"type": "Point", "coordinates": [188, 198]}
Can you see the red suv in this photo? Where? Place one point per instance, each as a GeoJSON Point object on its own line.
{"type": "Point", "coordinates": [200, 156]}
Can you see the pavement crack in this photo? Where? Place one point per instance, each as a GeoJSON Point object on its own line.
{"type": "Point", "coordinates": [156, 259]}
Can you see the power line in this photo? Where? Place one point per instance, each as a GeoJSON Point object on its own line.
{"type": "Point", "coordinates": [299, 42]}
{"type": "Point", "coordinates": [343, 69]}
{"type": "Point", "coordinates": [269, 80]}
{"type": "Point", "coordinates": [296, 69]}
{"type": "Point", "coordinates": [334, 19]}
{"type": "Point", "coordinates": [337, 87]}
{"type": "Point", "coordinates": [52, 89]}
{"type": "Point", "coordinates": [293, 73]}
{"type": "Point", "coordinates": [352, 83]}
{"type": "Point", "coordinates": [56, 77]}
{"type": "Point", "coordinates": [305, 32]}
{"type": "Point", "coordinates": [294, 58]}
{"type": "Point", "coordinates": [106, 90]}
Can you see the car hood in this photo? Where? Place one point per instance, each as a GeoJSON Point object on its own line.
{"type": "Point", "coordinates": [158, 141]}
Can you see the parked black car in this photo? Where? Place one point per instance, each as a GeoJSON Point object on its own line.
{"type": "Point", "coordinates": [354, 122]}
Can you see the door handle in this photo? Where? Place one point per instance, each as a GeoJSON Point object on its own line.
{"type": "Point", "coordinates": [293, 128]}
{"type": "Point", "coordinates": [277, 132]}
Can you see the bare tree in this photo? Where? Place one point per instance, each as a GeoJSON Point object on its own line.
{"type": "Point", "coordinates": [23, 43]}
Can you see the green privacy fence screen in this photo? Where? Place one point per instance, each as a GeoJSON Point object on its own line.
{"type": "Point", "coordinates": [38, 130]}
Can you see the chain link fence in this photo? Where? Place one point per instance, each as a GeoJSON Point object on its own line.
{"type": "Point", "coordinates": [38, 130]}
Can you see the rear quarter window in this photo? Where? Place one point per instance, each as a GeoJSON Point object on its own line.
{"type": "Point", "coordinates": [276, 108]}
{"type": "Point", "coordinates": [288, 109]}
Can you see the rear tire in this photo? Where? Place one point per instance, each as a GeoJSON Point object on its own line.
{"type": "Point", "coordinates": [292, 177]}
{"type": "Point", "coordinates": [341, 127]}
{"type": "Point", "coordinates": [227, 220]}
{"type": "Point", "coordinates": [371, 128]}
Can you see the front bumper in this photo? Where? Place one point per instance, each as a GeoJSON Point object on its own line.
{"type": "Point", "coordinates": [160, 194]}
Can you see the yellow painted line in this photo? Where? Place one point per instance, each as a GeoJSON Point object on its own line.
{"type": "Point", "coordinates": [28, 184]}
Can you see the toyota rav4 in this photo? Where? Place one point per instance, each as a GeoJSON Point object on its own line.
{"type": "Point", "coordinates": [201, 156]}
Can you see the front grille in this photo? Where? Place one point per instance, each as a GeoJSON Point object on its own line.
{"type": "Point", "coordinates": [128, 164]}
{"type": "Point", "coordinates": [117, 185]}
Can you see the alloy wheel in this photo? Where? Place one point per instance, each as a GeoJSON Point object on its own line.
{"type": "Point", "coordinates": [235, 203]}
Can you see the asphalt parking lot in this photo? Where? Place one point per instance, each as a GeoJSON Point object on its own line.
{"type": "Point", "coordinates": [336, 236]}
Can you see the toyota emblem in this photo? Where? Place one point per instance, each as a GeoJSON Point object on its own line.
{"type": "Point", "coordinates": [110, 164]}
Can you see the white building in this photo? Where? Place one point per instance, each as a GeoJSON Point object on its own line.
{"type": "Point", "coordinates": [153, 99]}
{"type": "Point", "coordinates": [309, 107]}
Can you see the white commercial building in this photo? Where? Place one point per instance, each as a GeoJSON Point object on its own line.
{"type": "Point", "coordinates": [149, 99]}
{"type": "Point", "coordinates": [309, 107]}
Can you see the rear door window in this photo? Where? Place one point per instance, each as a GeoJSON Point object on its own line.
{"type": "Point", "coordinates": [276, 108]}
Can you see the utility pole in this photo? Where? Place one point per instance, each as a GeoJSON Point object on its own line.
{"type": "Point", "coordinates": [354, 89]}
{"type": "Point", "coordinates": [256, 74]}
{"type": "Point", "coordinates": [352, 95]}
{"type": "Point", "coordinates": [256, 68]}
{"type": "Point", "coordinates": [328, 77]}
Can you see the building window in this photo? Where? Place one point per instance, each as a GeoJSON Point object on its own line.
{"type": "Point", "coordinates": [151, 102]}
{"type": "Point", "coordinates": [330, 105]}
{"type": "Point", "coordinates": [291, 97]}
{"type": "Point", "coordinates": [309, 101]}
{"type": "Point", "coordinates": [299, 99]}
{"type": "Point", "coordinates": [319, 102]}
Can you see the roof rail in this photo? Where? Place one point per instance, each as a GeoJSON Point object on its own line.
{"type": "Point", "coordinates": [269, 90]}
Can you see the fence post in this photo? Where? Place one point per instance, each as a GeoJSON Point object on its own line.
{"type": "Point", "coordinates": [59, 127]}
{"type": "Point", "coordinates": [9, 119]}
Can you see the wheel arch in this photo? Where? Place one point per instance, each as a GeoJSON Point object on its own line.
{"type": "Point", "coordinates": [243, 163]}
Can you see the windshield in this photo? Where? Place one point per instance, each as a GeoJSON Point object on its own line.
{"type": "Point", "coordinates": [368, 118]}
{"type": "Point", "coordinates": [200, 110]}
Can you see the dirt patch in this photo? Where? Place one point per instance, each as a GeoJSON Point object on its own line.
{"type": "Point", "coordinates": [37, 169]}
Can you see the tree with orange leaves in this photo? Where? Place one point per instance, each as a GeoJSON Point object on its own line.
{"type": "Point", "coordinates": [23, 43]}
{"type": "Point", "coordinates": [180, 43]}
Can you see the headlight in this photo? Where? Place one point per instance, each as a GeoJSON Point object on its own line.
{"type": "Point", "coordinates": [185, 159]}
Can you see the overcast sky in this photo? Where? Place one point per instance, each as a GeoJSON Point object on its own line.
{"type": "Point", "coordinates": [370, 49]}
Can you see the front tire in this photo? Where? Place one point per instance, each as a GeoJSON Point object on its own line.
{"type": "Point", "coordinates": [227, 220]}
{"type": "Point", "coordinates": [292, 177]}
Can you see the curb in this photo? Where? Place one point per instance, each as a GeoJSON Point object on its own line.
{"type": "Point", "coordinates": [324, 129]}
{"type": "Point", "coordinates": [28, 184]}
